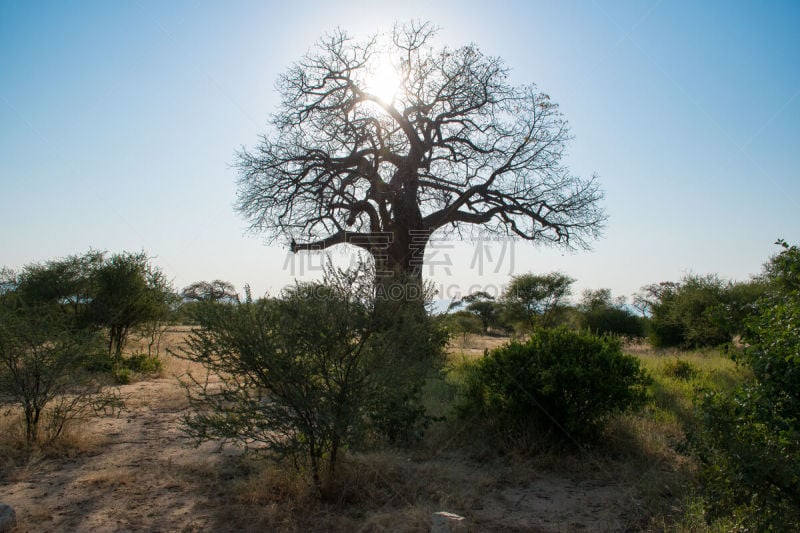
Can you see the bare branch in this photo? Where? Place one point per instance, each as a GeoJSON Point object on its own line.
{"type": "Point", "coordinates": [457, 146]}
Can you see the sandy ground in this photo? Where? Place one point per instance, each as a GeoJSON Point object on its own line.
{"type": "Point", "coordinates": [143, 474]}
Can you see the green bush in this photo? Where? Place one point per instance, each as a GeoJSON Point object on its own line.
{"type": "Point", "coordinates": [680, 369]}
{"type": "Point", "coordinates": [600, 314]}
{"type": "Point", "coordinates": [99, 361]}
{"type": "Point", "coordinates": [41, 369]}
{"type": "Point", "coordinates": [748, 441]}
{"type": "Point", "coordinates": [698, 311]}
{"type": "Point", "coordinates": [124, 370]}
{"type": "Point", "coordinates": [690, 314]}
{"type": "Point", "coordinates": [292, 376]}
{"type": "Point", "coordinates": [409, 352]}
{"type": "Point", "coordinates": [143, 363]}
{"type": "Point", "coordinates": [750, 456]}
{"type": "Point", "coordinates": [560, 382]}
{"type": "Point", "coordinates": [311, 374]}
{"type": "Point", "coordinates": [461, 324]}
{"type": "Point", "coordinates": [122, 374]}
{"type": "Point", "coordinates": [615, 321]}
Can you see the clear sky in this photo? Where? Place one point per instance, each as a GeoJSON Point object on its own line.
{"type": "Point", "coordinates": [119, 123]}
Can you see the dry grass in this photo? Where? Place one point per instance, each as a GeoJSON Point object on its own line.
{"type": "Point", "coordinates": [475, 345]}
{"type": "Point", "coordinates": [636, 479]}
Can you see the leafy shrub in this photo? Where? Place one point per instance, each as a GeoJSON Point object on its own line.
{"type": "Point", "coordinates": [679, 369]}
{"type": "Point", "coordinates": [125, 369]}
{"type": "Point", "coordinates": [99, 360]}
{"type": "Point", "coordinates": [122, 374]}
{"type": "Point", "coordinates": [560, 382]}
{"type": "Point", "coordinates": [602, 315]}
{"type": "Point", "coordinates": [614, 321]}
{"type": "Point", "coordinates": [41, 370]}
{"type": "Point", "coordinates": [698, 311]}
{"type": "Point", "coordinates": [536, 299]}
{"type": "Point", "coordinates": [292, 376]}
{"type": "Point", "coordinates": [750, 454]}
{"type": "Point", "coordinates": [143, 363]}
{"type": "Point", "coordinates": [462, 324]}
{"type": "Point", "coordinates": [690, 314]}
{"type": "Point", "coordinates": [311, 374]}
{"type": "Point", "coordinates": [749, 440]}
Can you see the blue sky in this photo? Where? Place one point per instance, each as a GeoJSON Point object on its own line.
{"type": "Point", "coordinates": [119, 123]}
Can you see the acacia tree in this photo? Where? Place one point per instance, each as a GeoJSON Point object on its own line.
{"type": "Point", "coordinates": [130, 292]}
{"type": "Point", "coordinates": [214, 291]}
{"type": "Point", "coordinates": [41, 360]}
{"type": "Point", "coordinates": [456, 146]}
{"type": "Point", "coordinates": [536, 297]}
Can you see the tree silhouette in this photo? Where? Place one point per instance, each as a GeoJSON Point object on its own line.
{"type": "Point", "coordinates": [456, 147]}
{"type": "Point", "coordinates": [214, 291]}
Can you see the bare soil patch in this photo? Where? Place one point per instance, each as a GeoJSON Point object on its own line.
{"type": "Point", "coordinates": [141, 473]}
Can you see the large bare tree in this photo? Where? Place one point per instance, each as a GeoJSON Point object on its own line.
{"type": "Point", "coordinates": [455, 147]}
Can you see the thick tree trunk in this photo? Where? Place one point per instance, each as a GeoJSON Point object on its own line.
{"type": "Point", "coordinates": [398, 273]}
{"type": "Point", "coordinates": [398, 268]}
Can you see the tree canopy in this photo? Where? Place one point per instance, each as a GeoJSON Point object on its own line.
{"type": "Point", "coordinates": [119, 292]}
{"type": "Point", "coordinates": [456, 146]}
{"type": "Point", "coordinates": [535, 297]}
{"type": "Point", "coordinates": [213, 291]}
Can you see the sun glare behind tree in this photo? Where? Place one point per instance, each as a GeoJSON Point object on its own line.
{"type": "Point", "coordinates": [383, 80]}
{"type": "Point", "coordinates": [380, 146]}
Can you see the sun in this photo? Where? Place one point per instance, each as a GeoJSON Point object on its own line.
{"type": "Point", "coordinates": [383, 81]}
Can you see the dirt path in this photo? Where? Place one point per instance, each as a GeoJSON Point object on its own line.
{"type": "Point", "coordinates": [136, 480]}
{"type": "Point", "coordinates": [145, 475]}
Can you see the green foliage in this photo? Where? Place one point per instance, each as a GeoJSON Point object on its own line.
{"type": "Point", "coordinates": [693, 313]}
{"type": "Point", "coordinates": [560, 382]}
{"type": "Point", "coordinates": [143, 363]}
{"type": "Point", "coordinates": [91, 291]}
{"type": "Point", "coordinates": [536, 298]}
{"type": "Point", "coordinates": [462, 323]}
{"type": "Point", "coordinates": [482, 305]}
{"type": "Point", "coordinates": [602, 315]}
{"type": "Point", "coordinates": [291, 371]}
{"type": "Point", "coordinates": [125, 369]}
{"type": "Point", "coordinates": [408, 348]}
{"type": "Point", "coordinates": [63, 285]}
{"type": "Point", "coordinates": [214, 291]}
{"type": "Point", "coordinates": [129, 293]}
{"type": "Point", "coordinates": [751, 459]}
{"type": "Point", "coordinates": [741, 301]}
{"type": "Point", "coordinates": [749, 439]}
{"type": "Point", "coordinates": [698, 311]}
{"type": "Point", "coordinates": [312, 373]}
{"type": "Point", "coordinates": [679, 369]}
{"type": "Point", "coordinates": [122, 374]}
{"type": "Point", "coordinates": [42, 356]}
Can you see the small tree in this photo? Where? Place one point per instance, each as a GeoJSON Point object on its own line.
{"type": "Point", "coordinates": [686, 314]}
{"type": "Point", "coordinates": [481, 304]}
{"type": "Point", "coordinates": [214, 291]}
{"type": "Point", "coordinates": [462, 323]}
{"type": "Point", "coordinates": [749, 439]}
{"type": "Point", "coordinates": [308, 374]}
{"type": "Point", "coordinates": [66, 285]}
{"type": "Point", "coordinates": [602, 314]}
{"type": "Point", "coordinates": [292, 373]}
{"type": "Point", "coordinates": [41, 358]}
{"type": "Point", "coordinates": [129, 293]}
{"type": "Point", "coordinates": [456, 146]}
{"type": "Point", "coordinates": [92, 291]}
{"type": "Point", "coordinates": [537, 297]}
{"type": "Point", "coordinates": [560, 382]}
